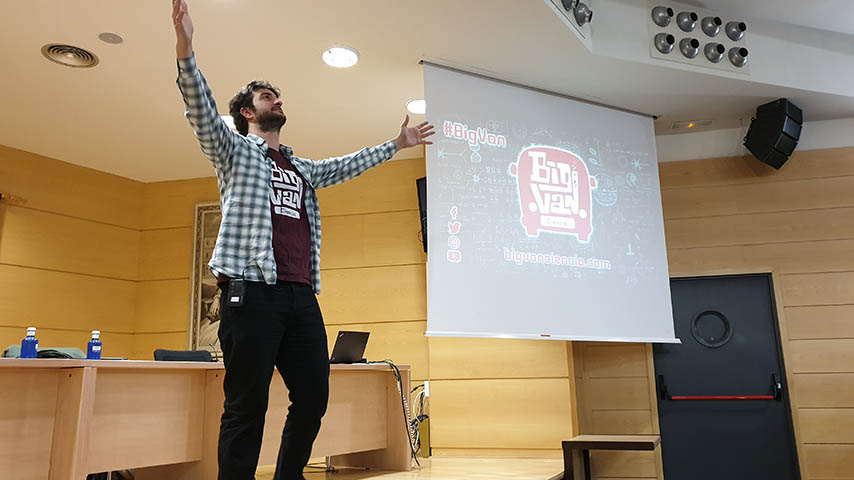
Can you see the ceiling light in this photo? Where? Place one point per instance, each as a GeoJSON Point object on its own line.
{"type": "Point", "coordinates": [714, 52]}
{"type": "Point", "coordinates": [662, 15]}
{"type": "Point", "coordinates": [113, 38]}
{"type": "Point", "coordinates": [664, 42]}
{"type": "Point", "coordinates": [711, 25]}
{"type": "Point", "coordinates": [738, 56]}
{"type": "Point", "coordinates": [69, 55]}
{"type": "Point", "coordinates": [690, 47]}
{"type": "Point", "coordinates": [228, 121]}
{"type": "Point", "coordinates": [340, 57]}
{"type": "Point", "coordinates": [583, 14]}
{"type": "Point", "coordinates": [417, 106]}
{"type": "Point", "coordinates": [687, 21]}
{"type": "Point", "coordinates": [735, 30]}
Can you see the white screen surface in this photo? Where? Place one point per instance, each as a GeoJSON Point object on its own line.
{"type": "Point", "coordinates": [544, 216]}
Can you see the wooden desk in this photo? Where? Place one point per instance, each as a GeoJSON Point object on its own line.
{"type": "Point", "coordinates": [64, 419]}
{"type": "Point", "coordinates": [585, 443]}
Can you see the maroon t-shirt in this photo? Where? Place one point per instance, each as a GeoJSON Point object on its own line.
{"type": "Point", "coordinates": [291, 233]}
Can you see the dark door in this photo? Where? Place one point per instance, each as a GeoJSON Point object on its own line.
{"type": "Point", "coordinates": [723, 405]}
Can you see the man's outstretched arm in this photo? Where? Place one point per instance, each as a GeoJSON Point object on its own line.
{"type": "Point", "coordinates": [214, 135]}
{"type": "Point", "coordinates": [333, 171]}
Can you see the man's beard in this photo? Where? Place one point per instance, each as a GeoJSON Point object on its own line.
{"type": "Point", "coordinates": [271, 121]}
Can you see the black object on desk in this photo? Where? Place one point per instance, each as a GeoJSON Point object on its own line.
{"type": "Point", "coordinates": [162, 355]}
{"type": "Point", "coordinates": [349, 347]}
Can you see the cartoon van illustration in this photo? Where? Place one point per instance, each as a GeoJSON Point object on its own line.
{"type": "Point", "coordinates": [554, 188]}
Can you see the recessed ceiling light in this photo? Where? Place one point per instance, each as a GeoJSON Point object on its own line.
{"type": "Point", "coordinates": [228, 121]}
{"type": "Point", "coordinates": [340, 57]}
{"type": "Point", "coordinates": [417, 106]}
{"type": "Point", "coordinates": [113, 38]}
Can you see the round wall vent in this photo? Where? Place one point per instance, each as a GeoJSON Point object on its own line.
{"type": "Point", "coordinates": [69, 55]}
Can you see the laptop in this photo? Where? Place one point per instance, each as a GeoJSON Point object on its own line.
{"type": "Point", "coordinates": [349, 347]}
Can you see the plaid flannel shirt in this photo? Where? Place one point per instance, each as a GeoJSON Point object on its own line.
{"type": "Point", "coordinates": [244, 245]}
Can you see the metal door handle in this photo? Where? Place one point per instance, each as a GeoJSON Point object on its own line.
{"type": "Point", "coordinates": [776, 388]}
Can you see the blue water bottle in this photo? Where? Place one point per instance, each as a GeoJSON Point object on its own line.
{"type": "Point", "coordinates": [93, 351]}
{"type": "Point", "coordinates": [30, 345]}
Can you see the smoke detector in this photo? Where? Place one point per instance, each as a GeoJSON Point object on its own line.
{"type": "Point", "coordinates": [69, 55]}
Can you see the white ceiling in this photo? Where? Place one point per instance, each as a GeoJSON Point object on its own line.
{"type": "Point", "coordinates": [126, 116]}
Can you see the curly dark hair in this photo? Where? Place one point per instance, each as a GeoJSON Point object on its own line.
{"type": "Point", "coordinates": [243, 98]}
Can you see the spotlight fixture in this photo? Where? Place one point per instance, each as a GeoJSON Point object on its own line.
{"type": "Point", "coordinates": [702, 37]}
{"type": "Point", "coordinates": [714, 52]}
{"type": "Point", "coordinates": [340, 57]}
{"type": "Point", "coordinates": [687, 21]}
{"type": "Point", "coordinates": [738, 56]}
{"type": "Point", "coordinates": [711, 26]}
{"type": "Point", "coordinates": [735, 30]}
{"type": "Point", "coordinates": [583, 14]}
{"type": "Point", "coordinates": [664, 42]}
{"type": "Point", "coordinates": [662, 15]}
{"type": "Point", "coordinates": [69, 55]}
{"type": "Point", "coordinates": [690, 47]}
{"type": "Point", "coordinates": [417, 106]}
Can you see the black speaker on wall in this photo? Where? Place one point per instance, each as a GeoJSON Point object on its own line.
{"type": "Point", "coordinates": [421, 186]}
{"type": "Point", "coordinates": [774, 132]}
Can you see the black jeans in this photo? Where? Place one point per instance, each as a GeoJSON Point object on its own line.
{"type": "Point", "coordinates": [277, 325]}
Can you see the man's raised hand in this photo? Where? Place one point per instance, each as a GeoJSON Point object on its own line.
{"type": "Point", "coordinates": [183, 29]}
{"type": "Point", "coordinates": [412, 136]}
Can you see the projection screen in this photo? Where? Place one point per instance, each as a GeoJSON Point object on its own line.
{"type": "Point", "coordinates": [544, 216]}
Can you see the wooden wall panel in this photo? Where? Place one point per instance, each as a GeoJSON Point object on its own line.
{"type": "Point", "coordinates": [822, 356]}
{"type": "Point", "coordinates": [830, 461]}
{"type": "Point", "coordinates": [760, 228]}
{"type": "Point", "coordinates": [165, 254]}
{"type": "Point", "coordinates": [613, 361]}
{"type": "Point", "coordinates": [501, 413]}
{"type": "Point", "coordinates": [830, 162]}
{"type": "Point", "coordinates": [617, 393]}
{"type": "Point", "coordinates": [69, 245]}
{"type": "Point", "coordinates": [374, 294]}
{"type": "Point", "coordinates": [826, 321]}
{"type": "Point", "coordinates": [790, 195]}
{"type": "Point", "coordinates": [824, 390]}
{"type": "Point", "coordinates": [605, 464]}
{"type": "Point", "coordinates": [351, 241]}
{"type": "Point", "coordinates": [827, 425]}
{"type": "Point", "coordinates": [818, 289]}
{"type": "Point", "coordinates": [50, 185]}
{"type": "Point", "coordinates": [32, 238]}
{"type": "Point", "coordinates": [484, 358]}
{"type": "Point", "coordinates": [47, 299]}
{"type": "Point", "coordinates": [172, 204]}
{"type": "Point", "coordinates": [163, 306]}
{"type": "Point", "coordinates": [622, 422]}
{"type": "Point", "coordinates": [784, 258]}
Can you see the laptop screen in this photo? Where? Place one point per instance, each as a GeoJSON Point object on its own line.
{"type": "Point", "coordinates": [349, 347]}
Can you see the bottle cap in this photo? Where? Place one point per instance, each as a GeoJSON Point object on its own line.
{"type": "Point", "coordinates": [96, 333]}
{"type": "Point", "coordinates": [31, 331]}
